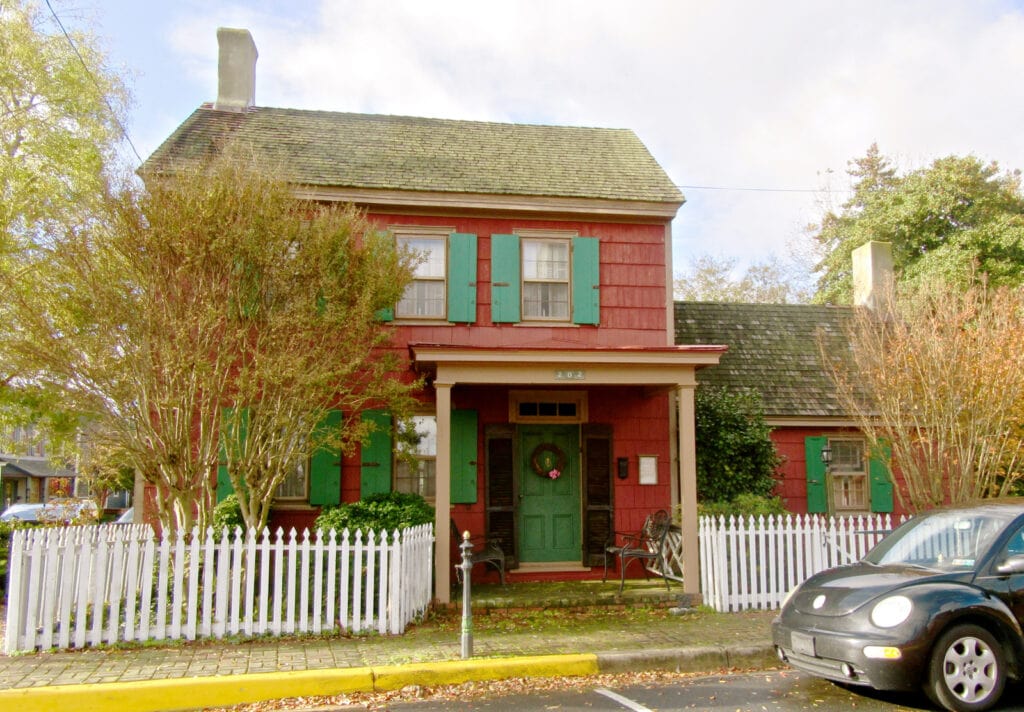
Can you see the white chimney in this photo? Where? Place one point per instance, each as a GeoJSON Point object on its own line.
{"type": "Point", "coordinates": [236, 70]}
{"type": "Point", "coordinates": [872, 274]}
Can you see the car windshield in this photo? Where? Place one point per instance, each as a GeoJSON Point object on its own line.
{"type": "Point", "coordinates": [947, 541]}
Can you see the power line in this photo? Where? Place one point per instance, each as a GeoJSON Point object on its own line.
{"type": "Point", "coordinates": [92, 77]}
{"type": "Point", "coordinates": [764, 190]}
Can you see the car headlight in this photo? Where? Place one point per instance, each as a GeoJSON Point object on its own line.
{"type": "Point", "coordinates": [891, 611]}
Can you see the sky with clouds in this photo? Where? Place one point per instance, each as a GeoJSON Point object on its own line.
{"type": "Point", "coordinates": [753, 108]}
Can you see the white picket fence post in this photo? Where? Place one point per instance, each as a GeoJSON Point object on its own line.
{"type": "Point", "coordinates": [87, 586]}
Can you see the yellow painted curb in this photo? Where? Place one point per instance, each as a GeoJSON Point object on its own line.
{"type": "Point", "coordinates": [185, 693]}
{"type": "Point", "coordinates": [452, 672]}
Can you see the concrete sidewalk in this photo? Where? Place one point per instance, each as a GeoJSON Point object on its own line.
{"type": "Point", "coordinates": [221, 673]}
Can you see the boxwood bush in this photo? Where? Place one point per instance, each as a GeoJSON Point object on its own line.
{"type": "Point", "coordinates": [390, 511]}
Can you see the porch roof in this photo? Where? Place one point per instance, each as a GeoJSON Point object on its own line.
{"type": "Point", "coordinates": [666, 366]}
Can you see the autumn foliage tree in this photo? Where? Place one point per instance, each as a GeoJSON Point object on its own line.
{"type": "Point", "coordinates": [938, 375]}
{"type": "Point", "coordinates": [211, 304]}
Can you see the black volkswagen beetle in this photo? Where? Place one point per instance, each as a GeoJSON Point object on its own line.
{"type": "Point", "coordinates": [938, 604]}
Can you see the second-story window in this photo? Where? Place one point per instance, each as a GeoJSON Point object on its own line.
{"type": "Point", "coordinates": [546, 279]}
{"type": "Point", "coordinates": [425, 297]}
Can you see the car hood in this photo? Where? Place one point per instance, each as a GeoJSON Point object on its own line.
{"type": "Point", "coordinates": [840, 591]}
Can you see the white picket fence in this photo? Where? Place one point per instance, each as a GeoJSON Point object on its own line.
{"type": "Point", "coordinates": [92, 585]}
{"type": "Point", "coordinates": [754, 562]}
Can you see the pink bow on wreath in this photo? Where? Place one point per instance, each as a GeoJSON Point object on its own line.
{"type": "Point", "coordinates": [554, 474]}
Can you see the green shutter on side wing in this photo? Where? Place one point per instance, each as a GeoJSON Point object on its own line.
{"type": "Point", "coordinates": [586, 280]}
{"type": "Point", "coordinates": [463, 455]}
{"type": "Point", "coordinates": [462, 277]}
{"type": "Point", "coordinates": [375, 470]}
{"type": "Point", "coordinates": [880, 479]}
{"type": "Point", "coordinates": [505, 279]}
{"type": "Point", "coordinates": [817, 492]}
{"type": "Point", "coordinates": [325, 467]}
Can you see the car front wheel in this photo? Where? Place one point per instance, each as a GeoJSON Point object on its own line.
{"type": "Point", "coordinates": [967, 671]}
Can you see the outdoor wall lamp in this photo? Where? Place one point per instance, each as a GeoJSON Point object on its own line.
{"type": "Point", "coordinates": [826, 455]}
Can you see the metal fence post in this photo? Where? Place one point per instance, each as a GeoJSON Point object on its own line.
{"type": "Point", "coordinates": [467, 609]}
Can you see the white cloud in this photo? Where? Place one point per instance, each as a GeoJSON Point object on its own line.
{"type": "Point", "coordinates": [735, 94]}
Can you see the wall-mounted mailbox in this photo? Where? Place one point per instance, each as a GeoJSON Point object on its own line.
{"type": "Point", "coordinates": [623, 467]}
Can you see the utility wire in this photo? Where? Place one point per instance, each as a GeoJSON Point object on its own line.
{"type": "Point", "coordinates": [764, 190]}
{"type": "Point", "coordinates": [92, 77]}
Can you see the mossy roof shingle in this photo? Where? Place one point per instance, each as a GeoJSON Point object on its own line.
{"type": "Point", "coordinates": [773, 350]}
{"type": "Point", "coordinates": [322, 148]}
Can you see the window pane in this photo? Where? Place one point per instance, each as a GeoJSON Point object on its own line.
{"type": "Point", "coordinates": [541, 299]}
{"type": "Point", "coordinates": [430, 251]}
{"type": "Point", "coordinates": [419, 480]}
{"type": "Point", "coordinates": [545, 260]}
{"type": "Point", "coordinates": [294, 484]}
{"type": "Point", "coordinates": [422, 298]}
{"type": "Point", "coordinates": [847, 456]}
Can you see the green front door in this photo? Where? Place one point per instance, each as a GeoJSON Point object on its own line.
{"type": "Point", "coordinates": [549, 493]}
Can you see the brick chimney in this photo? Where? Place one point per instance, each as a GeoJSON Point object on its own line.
{"type": "Point", "coordinates": [872, 274]}
{"type": "Point", "coordinates": [236, 70]}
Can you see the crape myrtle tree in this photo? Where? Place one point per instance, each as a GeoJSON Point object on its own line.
{"type": "Point", "coordinates": [60, 106]}
{"type": "Point", "coordinates": [954, 219]}
{"type": "Point", "coordinates": [938, 375]}
{"type": "Point", "coordinates": [214, 319]}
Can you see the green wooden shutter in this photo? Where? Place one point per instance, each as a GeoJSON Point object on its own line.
{"type": "Point", "coordinates": [505, 279]}
{"type": "Point", "coordinates": [586, 280]}
{"type": "Point", "coordinates": [463, 455]}
{"type": "Point", "coordinates": [232, 434]}
{"type": "Point", "coordinates": [376, 455]}
{"type": "Point", "coordinates": [385, 314]}
{"type": "Point", "coordinates": [817, 492]}
{"type": "Point", "coordinates": [880, 480]}
{"type": "Point", "coordinates": [325, 466]}
{"type": "Point", "coordinates": [462, 277]}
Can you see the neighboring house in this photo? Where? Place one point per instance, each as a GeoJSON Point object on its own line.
{"type": "Point", "coordinates": [774, 351]}
{"type": "Point", "coordinates": [28, 475]}
{"type": "Point", "coordinates": [558, 406]}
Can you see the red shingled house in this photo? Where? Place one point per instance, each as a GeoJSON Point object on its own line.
{"type": "Point", "coordinates": [542, 318]}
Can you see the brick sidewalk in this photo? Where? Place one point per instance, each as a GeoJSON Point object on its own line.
{"type": "Point", "coordinates": [211, 658]}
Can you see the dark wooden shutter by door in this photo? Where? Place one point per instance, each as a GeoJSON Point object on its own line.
{"type": "Point", "coordinates": [598, 488]}
{"type": "Point", "coordinates": [501, 488]}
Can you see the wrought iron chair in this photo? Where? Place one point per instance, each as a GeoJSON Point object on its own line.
{"type": "Point", "coordinates": [486, 550]}
{"type": "Point", "coordinates": [646, 545]}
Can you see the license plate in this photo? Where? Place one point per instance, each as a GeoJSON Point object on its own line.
{"type": "Point", "coordinates": [802, 643]}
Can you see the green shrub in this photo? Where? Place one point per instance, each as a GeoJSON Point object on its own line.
{"type": "Point", "coordinates": [735, 453]}
{"type": "Point", "coordinates": [390, 511]}
{"type": "Point", "coordinates": [743, 505]}
{"type": "Point", "coordinates": [228, 513]}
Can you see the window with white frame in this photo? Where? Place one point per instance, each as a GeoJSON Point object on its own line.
{"type": "Point", "coordinates": [426, 295]}
{"type": "Point", "coordinates": [546, 274]}
{"type": "Point", "coordinates": [848, 475]}
{"type": "Point", "coordinates": [295, 486]}
{"type": "Point", "coordinates": [416, 472]}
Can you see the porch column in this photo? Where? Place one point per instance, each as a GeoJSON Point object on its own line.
{"type": "Point", "coordinates": [688, 488]}
{"type": "Point", "coordinates": [443, 493]}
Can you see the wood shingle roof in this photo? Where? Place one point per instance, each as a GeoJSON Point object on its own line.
{"type": "Point", "coordinates": [773, 350]}
{"type": "Point", "coordinates": [368, 151]}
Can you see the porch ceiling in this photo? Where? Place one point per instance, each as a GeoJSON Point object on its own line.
{"type": "Point", "coordinates": [668, 366]}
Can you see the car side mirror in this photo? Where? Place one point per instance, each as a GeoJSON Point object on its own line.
{"type": "Point", "coordinates": [1011, 565]}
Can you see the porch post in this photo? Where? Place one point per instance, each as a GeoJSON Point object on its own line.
{"type": "Point", "coordinates": [443, 494]}
{"type": "Point", "coordinates": [688, 488]}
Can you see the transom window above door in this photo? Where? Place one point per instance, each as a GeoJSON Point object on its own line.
{"type": "Point", "coordinates": [547, 407]}
{"type": "Point", "coordinates": [426, 295]}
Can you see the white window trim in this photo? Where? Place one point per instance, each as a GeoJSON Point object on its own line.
{"type": "Point", "coordinates": [432, 232]}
